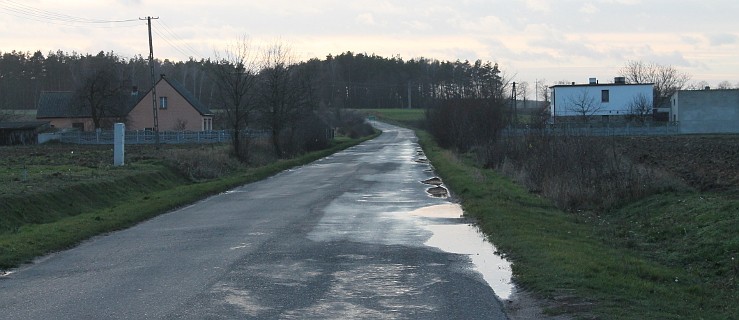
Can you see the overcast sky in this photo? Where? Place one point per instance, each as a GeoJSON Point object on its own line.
{"type": "Point", "coordinates": [530, 39]}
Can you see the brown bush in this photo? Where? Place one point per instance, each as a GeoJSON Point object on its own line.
{"type": "Point", "coordinates": [576, 172]}
{"type": "Point", "coordinates": [202, 162]}
{"type": "Point", "coordinates": [464, 124]}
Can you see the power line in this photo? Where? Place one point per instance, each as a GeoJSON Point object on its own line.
{"type": "Point", "coordinates": [176, 40]}
{"type": "Point", "coordinates": [32, 13]}
{"type": "Point", "coordinates": [171, 44]}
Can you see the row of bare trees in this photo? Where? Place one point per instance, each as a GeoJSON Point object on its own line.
{"type": "Point", "coordinates": [263, 88]}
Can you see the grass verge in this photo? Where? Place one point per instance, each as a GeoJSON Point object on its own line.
{"type": "Point", "coordinates": [581, 263]}
{"type": "Point", "coordinates": [151, 189]}
{"type": "Point", "coordinates": [672, 255]}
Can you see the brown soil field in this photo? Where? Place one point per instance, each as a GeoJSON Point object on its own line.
{"type": "Point", "coordinates": [704, 162]}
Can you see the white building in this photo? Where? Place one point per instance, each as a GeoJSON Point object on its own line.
{"type": "Point", "coordinates": [706, 111]}
{"type": "Point", "coordinates": [576, 102]}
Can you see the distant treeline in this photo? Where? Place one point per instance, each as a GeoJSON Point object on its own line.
{"type": "Point", "coordinates": [347, 80]}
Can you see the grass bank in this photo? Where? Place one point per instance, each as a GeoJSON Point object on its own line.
{"type": "Point", "coordinates": [44, 222]}
{"type": "Point", "coordinates": [667, 256]}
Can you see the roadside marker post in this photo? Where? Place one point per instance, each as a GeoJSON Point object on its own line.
{"type": "Point", "coordinates": [119, 136]}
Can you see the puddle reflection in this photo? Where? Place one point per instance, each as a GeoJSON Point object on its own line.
{"type": "Point", "coordinates": [462, 238]}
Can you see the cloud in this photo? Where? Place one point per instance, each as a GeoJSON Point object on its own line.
{"type": "Point", "coordinates": [722, 39]}
{"type": "Point", "coordinates": [418, 25]}
{"type": "Point", "coordinates": [539, 5]}
{"type": "Point", "coordinates": [691, 39]}
{"type": "Point", "coordinates": [366, 19]}
{"type": "Point", "coordinates": [589, 8]}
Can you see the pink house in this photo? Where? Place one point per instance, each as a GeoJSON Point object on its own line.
{"type": "Point", "coordinates": [177, 110]}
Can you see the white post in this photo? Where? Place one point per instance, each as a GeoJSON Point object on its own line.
{"type": "Point", "coordinates": [119, 135]}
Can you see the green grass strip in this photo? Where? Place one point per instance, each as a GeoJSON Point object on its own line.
{"type": "Point", "coordinates": [558, 257]}
{"type": "Point", "coordinates": [33, 240]}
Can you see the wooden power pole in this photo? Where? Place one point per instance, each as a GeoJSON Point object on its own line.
{"type": "Point", "coordinates": [153, 81]}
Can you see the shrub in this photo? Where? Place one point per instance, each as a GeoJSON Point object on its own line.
{"type": "Point", "coordinates": [463, 124]}
{"type": "Point", "coordinates": [577, 172]}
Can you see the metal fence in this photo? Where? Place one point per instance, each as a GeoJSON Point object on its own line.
{"type": "Point", "coordinates": [600, 129]}
{"type": "Point", "coordinates": [149, 137]}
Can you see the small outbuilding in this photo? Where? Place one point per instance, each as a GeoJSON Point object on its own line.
{"type": "Point", "coordinates": [706, 111]}
{"type": "Point", "coordinates": [21, 133]}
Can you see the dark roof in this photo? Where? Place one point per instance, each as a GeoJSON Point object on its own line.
{"type": "Point", "coordinates": [189, 97]}
{"type": "Point", "coordinates": [62, 104]}
{"type": "Point", "coordinates": [57, 104]}
{"type": "Point", "coordinates": [23, 124]}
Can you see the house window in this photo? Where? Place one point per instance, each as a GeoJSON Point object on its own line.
{"type": "Point", "coordinates": [604, 96]}
{"type": "Point", "coordinates": [162, 102]}
{"type": "Point", "coordinates": [207, 124]}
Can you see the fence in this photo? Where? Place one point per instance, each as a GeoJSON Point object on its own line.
{"type": "Point", "coordinates": [148, 137]}
{"type": "Point", "coordinates": [601, 129]}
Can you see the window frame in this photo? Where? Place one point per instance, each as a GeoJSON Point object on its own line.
{"type": "Point", "coordinates": [605, 96]}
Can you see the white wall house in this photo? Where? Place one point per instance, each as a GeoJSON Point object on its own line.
{"type": "Point", "coordinates": [594, 100]}
{"type": "Point", "coordinates": [706, 111]}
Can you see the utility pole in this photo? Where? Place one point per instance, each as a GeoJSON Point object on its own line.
{"type": "Point", "coordinates": [514, 99]}
{"type": "Point", "coordinates": [153, 81]}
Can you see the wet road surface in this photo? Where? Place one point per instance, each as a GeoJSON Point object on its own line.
{"type": "Point", "coordinates": [351, 236]}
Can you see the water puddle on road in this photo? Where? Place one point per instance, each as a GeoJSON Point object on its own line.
{"type": "Point", "coordinates": [464, 238]}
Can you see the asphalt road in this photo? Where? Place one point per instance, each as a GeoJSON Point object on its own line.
{"type": "Point", "coordinates": [336, 239]}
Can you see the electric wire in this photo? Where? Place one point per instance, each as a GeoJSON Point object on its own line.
{"type": "Point", "coordinates": [176, 40]}
{"type": "Point", "coordinates": [32, 13]}
{"type": "Point", "coordinates": [171, 44]}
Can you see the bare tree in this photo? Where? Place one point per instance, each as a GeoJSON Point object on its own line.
{"type": "Point", "coordinates": [583, 105]}
{"type": "Point", "coordinates": [102, 93]}
{"type": "Point", "coordinates": [542, 90]}
{"type": "Point", "coordinates": [640, 108]}
{"type": "Point", "coordinates": [283, 94]}
{"type": "Point", "coordinates": [666, 79]}
{"type": "Point", "coordinates": [523, 90]}
{"type": "Point", "coordinates": [700, 85]}
{"type": "Point", "coordinates": [724, 85]}
{"type": "Point", "coordinates": [234, 74]}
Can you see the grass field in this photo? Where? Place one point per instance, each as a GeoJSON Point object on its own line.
{"type": "Point", "coordinates": [669, 256]}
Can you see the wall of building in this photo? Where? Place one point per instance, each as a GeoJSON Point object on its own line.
{"type": "Point", "coordinates": [620, 98]}
{"type": "Point", "coordinates": [179, 114]}
{"type": "Point", "coordinates": [65, 123]}
{"type": "Point", "coordinates": [706, 111]}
